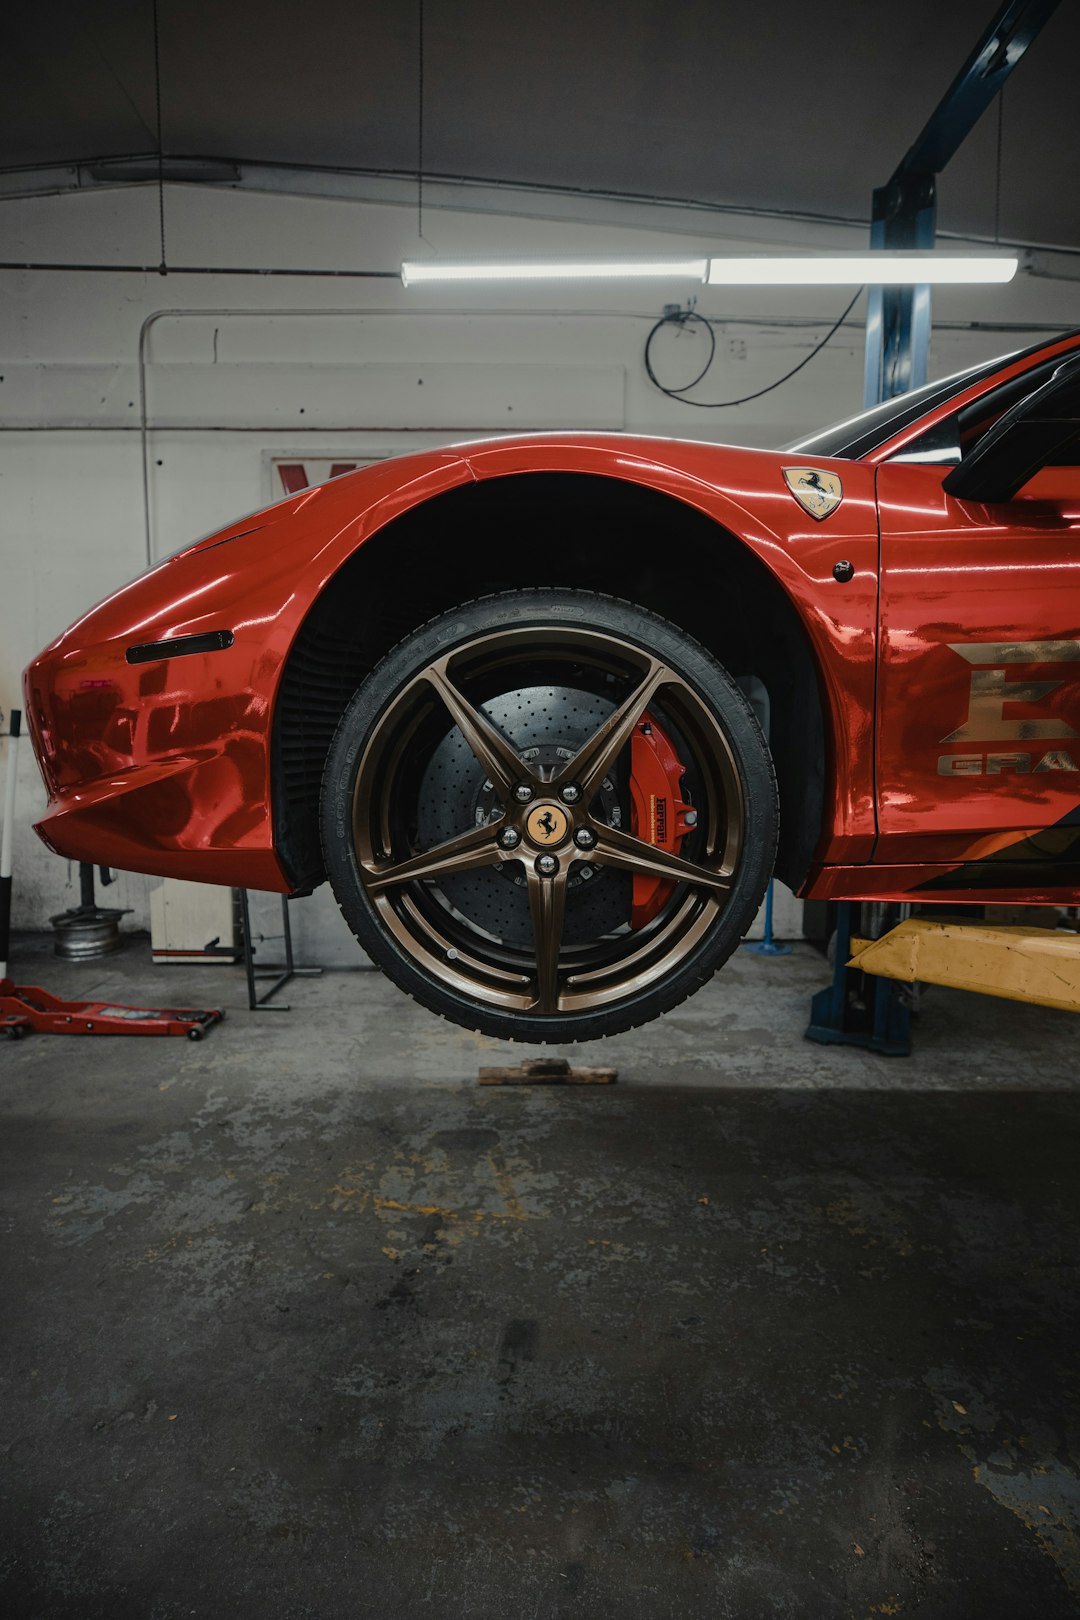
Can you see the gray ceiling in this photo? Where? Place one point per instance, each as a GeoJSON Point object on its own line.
{"type": "Point", "coordinates": [796, 104]}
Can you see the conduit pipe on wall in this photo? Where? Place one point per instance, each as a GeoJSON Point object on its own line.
{"type": "Point", "coordinates": [360, 312]}
{"type": "Point", "coordinates": [214, 314]}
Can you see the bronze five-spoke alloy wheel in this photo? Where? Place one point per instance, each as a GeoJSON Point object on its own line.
{"type": "Point", "coordinates": [481, 831]}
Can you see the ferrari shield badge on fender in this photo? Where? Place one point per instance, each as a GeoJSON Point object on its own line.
{"type": "Point", "coordinates": [819, 492]}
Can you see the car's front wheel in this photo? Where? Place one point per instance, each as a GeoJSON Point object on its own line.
{"type": "Point", "coordinates": [549, 815]}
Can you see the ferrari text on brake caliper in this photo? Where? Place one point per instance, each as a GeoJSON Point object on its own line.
{"type": "Point", "coordinates": [658, 812]}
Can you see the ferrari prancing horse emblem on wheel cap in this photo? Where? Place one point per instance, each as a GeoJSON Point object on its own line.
{"type": "Point", "coordinates": [818, 492]}
{"type": "Point", "coordinates": [547, 824]}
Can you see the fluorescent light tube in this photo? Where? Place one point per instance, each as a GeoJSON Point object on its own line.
{"type": "Point", "coordinates": [856, 269]}
{"type": "Point", "coordinates": [412, 274]}
{"type": "Point", "coordinates": [752, 270]}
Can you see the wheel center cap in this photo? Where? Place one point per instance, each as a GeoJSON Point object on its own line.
{"type": "Point", "coordinates": [547, 825]}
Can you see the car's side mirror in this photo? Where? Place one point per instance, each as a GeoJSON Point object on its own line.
{"type": "Point", "coordinates": [1021, 441]}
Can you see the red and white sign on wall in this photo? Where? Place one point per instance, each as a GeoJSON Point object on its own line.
{"type": "Point", "coordinates": [290, 474]}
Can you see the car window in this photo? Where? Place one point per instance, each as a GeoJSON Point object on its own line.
{"type": "Point", "coordinates": [957, 434]}
{"type": "Point", "coordinates": [861, 435]}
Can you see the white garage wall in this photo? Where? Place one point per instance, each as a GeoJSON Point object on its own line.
{"type": "Point", "coordinates": [238, 369]}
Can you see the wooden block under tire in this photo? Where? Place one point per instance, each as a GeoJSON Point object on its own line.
{"type": "Point", "coordinates": [548, 1072]}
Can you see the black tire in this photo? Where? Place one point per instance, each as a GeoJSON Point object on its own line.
{"type": "Point", "coordinates": [642, 634]}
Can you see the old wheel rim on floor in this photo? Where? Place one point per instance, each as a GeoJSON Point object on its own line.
{"type": "Point", "coordinates": [402, 880]}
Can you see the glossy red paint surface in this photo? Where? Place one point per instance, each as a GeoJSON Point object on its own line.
{"type": "Point", "coordinates": [909, 884]}
{"type": "Point", "coordinates": [979, 689]}
{"type": "Point", "coordinates": [165, 767]}
{"type": "Point", "coordinates": [744, 491]}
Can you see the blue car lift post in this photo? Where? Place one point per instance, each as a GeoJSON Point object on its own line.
{"type": "Point", "coordinates": [767, 945]}
{"type": "Point", "coordinates": [857, 1010]}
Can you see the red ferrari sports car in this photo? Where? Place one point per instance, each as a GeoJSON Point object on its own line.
{"type": "Point", "coordinates": [549, 711]}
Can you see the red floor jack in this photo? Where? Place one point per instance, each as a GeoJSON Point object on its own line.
{"type": "Point", "coordinates": [25, 1007]}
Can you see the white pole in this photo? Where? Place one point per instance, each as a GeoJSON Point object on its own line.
{"type": "Point", "coordinates": [7, 839]}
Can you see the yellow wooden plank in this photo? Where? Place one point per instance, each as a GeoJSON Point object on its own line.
{"type": "Point", "coordinates": [1040, 965]}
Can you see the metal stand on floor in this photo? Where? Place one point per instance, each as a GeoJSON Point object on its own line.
{"type": "Point", "coordinates": [280, 975]}
{"type": "Point", "coordinates": [857, 1010]}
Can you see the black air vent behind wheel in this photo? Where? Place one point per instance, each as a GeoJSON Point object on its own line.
{"type": "Point", "coordinates": [322, 674]}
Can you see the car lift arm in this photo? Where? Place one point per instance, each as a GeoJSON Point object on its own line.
{"type": "Point", "coordinates": [1040, 965]}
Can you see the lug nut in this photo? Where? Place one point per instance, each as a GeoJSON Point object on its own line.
{"type": "Point", "coordinates": [584, 838]}
{"type": "Point", "coordinates": [547, 865]}
{"type": "Point", "coordinates": [571, 793]}
{"type": "Point", "coordinates": [523, 793]}
{"type": "Point", "coordinates": [509, 838]}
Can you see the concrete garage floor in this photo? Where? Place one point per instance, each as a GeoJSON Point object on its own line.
{"type": "Point", "coordinates": [299, 1322]}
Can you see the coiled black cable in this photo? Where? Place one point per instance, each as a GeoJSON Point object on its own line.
{"type": "Point", "coordinates": [681, 317]}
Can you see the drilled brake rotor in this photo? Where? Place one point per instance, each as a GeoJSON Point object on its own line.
{"type": "Point", "coordinates": [547, 725]}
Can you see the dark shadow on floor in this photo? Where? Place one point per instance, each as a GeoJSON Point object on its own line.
{"type": "Point", "coordinates": [442, 1351]}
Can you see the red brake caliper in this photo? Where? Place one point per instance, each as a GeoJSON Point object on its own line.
{"type": "Point", "coordinates": [657, 811]}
